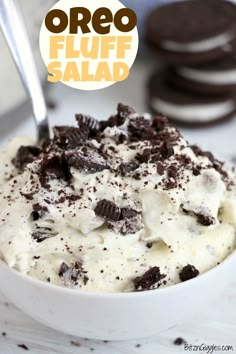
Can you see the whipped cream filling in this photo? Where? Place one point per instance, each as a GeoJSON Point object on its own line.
{"type": "Point", "coordinates": [193, 112]}
{"type": "Point", "coordinates": [219, 77]}
{"type": "Point", "coordinates": [199, 46]}
{"type": "Point", "coordinates": [97, 214]}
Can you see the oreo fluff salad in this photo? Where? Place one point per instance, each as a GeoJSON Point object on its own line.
{"type": "Point", "coordinates": [124, 204]}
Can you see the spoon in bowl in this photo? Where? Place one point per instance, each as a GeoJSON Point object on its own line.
{"type": "Point", "coordinates": [13, 27]}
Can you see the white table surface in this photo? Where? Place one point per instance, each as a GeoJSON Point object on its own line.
{"type": "Point", "coordinates": [217, 325]}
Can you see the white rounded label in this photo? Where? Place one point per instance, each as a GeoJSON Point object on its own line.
{"type": "Point", "coordinates": [89, 44]}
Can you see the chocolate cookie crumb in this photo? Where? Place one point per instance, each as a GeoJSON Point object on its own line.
{"type": "Point", "coordinates": [108, 210]}
{"type": "Point", "coordinates": [38, 211]}
{"type": "Point", "coordinates": [73, 274]}
{"type": "Point", "coordinates": [55, 167]}
{"type": "Point", "coordinates": [88, 121]}
{"type": "Point", "coordinates": [149, 244]}
{"type": "Point", "coordinates": [25, 155]}
{"type": "Point", "coordinates": [144, 157]}
{"type": "Point", "coordinates": [179, 341]}
{"type": "Point", "coordinates": [70, 137]}
{"type": "Point", "coordinates": [39, 236]}
{"type": "Point", "coordinates": [160, 168]}
{"type": "Point", "coordinates": [149, 280]}
{"type": "Point", "coordinates": [63, 269]}
{"type": "Point", "coordinates": [87, 160]}
{"type": "Point", "coordinates": [140, 129]}
{"type": "Point", "coordinates": [130, 222]}
{"type": "Point", "coordinates": [216, 164]}
{"type": "Point", "coordinates": [188, 272]}
{"type": "Point", "coordinates": [124, 111]}
{"type": "Point", "coordinates": [205, 220]}
{"type": "Point", "coordinates": [125, 168]}
{"type": "Point", "coordinates": [167, 150]}
{"type": "Point", "coordinates": [120, 220]}
{"type": "Point", "coordinates": [127, 213]}
{"type": "Point", "coordinates": [23, 346]}
{"type": "Point", "coordinates": [4, 334]}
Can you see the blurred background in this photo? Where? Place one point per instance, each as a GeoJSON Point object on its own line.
{"type": "Point", "coordinates": [64, 102]}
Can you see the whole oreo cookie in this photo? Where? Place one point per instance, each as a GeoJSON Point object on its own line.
{"type": "Point", "coordinates": [216, 77]}
{"type": "Point", "coordinates": [191, 31]}
{"type": "Point", "coordinates": [185, 107]}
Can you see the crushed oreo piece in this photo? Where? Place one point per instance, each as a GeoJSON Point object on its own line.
{"type": "Point", "coordinates": [63, 269]}
{"type": "Point", "coordinates": [149, 280]}
{"type": "Point", "coordinates": [167, 150]}
{"type": "Point", "coordinates": [108, 210]}
{"type": "Point", "coordinates": [38, 211]}
{"type": "Point", "coordinates": [28, 196]}
{"type": "Point", "coordinates": [216, 164]}
{"type": "Point", "coordinates": [85, 120]}
{"type": "Point", "coordinates": [196, 170]}
{"type": "Point", "coordinates": [25, 155]}
{"type": "Point", "coordinates": [121, 220]}
{"type": "Point", "coordinates": [73, 274]}
{"type": "Point", "coordinates": [121, 138]}
{"type": "Point", "coordinates": [197, 150]}
{"type": "Point", "coordinates": [205, 220]}
{"type": "Point", "coordinates": [172, 172]}
{"type": "Point", "coordinates": [127, 213]}
{"type": "Point", "coordinates": [179, 341]}
{"type": "Point", "coordinates": [23, 346]}
{"type": "Point", "coordinates": [113, 121]}
{"type": "Point", "coordinates": [125, 168]}
{"type": "Point", "coordinates": [70, 137]}
{"type": "Point", "coordinates": [86, 160]}
{"type": "Point", "coordinates": [124, 111]}
{"type": "Point", "coordinates": [140, 129]}
{"type": "Point", "coordinates": [144, 157]}
{"type": "Point", "coordinates": [160, 168]}
{"type": "Point", "coordinates": [55, 167]}
{"type": "Point", "coordinates": [39, 236]}
{"type": "Point", "coordinates": [35, 215]}
{"type": "Point", "coordinates": [188, 272]}
{"type": "Point", "coordinates": [128, 225]}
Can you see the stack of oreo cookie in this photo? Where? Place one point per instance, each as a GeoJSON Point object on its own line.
{"type": "Point", "coordinates": [196, 42]}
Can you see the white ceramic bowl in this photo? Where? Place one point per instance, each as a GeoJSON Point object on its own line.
{"type": "Point", "coordinates": [114, 316]}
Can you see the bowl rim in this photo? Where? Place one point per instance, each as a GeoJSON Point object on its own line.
{"type": "Point", "coordinates": [120, 295]}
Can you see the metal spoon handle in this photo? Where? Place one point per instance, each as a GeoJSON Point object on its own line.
{"type": "Point", "coordinates": [14, 30]}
